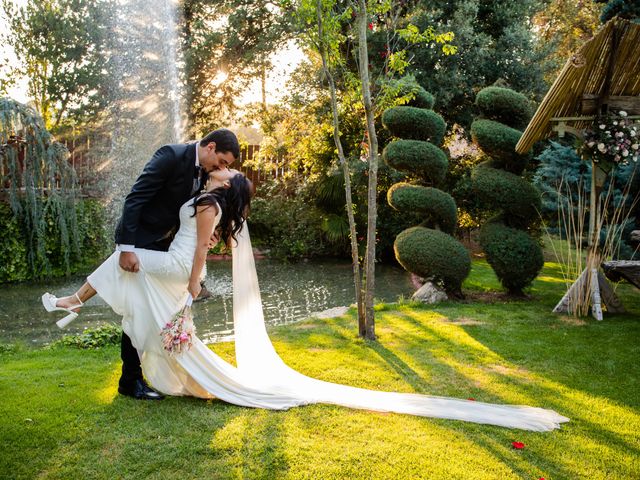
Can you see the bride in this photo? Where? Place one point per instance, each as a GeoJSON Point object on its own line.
{"type": "Point", "coordinates": [147, 300]}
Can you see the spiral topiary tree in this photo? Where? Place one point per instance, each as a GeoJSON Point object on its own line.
{"type": "Point", "coordinates": [514, 255]}
{"type": "Point", "coordinates": [429, 249]}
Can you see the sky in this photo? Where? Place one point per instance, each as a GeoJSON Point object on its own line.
{"type": "Point", "coordinates": [287, 60]}
{"type": "Point", "coordinates": [19, 91]}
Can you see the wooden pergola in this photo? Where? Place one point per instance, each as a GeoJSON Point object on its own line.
{"type": "Point", "coordinates": [602, 76]}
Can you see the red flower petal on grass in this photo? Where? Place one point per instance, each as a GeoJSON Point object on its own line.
{"type": "Point", "coordinates": [518, 445]}
{"type": "Point", "coordinates": [541, 478]}
{"type": "Point", "coordinates": [472, 399]}
{"type": "Point", "coordinates": [370, 26]}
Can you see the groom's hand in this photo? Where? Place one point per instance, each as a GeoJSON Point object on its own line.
{"type": "Point", "coordinates": [129, 262]}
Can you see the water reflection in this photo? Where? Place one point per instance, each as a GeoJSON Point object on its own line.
{"type": "Point", "coordinates": [290, 292]}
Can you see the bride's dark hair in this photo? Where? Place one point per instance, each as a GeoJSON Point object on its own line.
{"type": "Point", "coordinates": [234, 202]}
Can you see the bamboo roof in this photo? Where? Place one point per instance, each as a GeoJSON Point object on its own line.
{"type": "Point", "coordinates": [606, 65]}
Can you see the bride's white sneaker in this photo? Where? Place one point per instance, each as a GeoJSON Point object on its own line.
{"type": "Point", "coordinates": [50, 304]}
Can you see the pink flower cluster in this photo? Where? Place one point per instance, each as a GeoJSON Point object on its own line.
{"type": "Point", "coordinates": [614, 141]}
{"type": "Point", "coordinates": [177, 334]}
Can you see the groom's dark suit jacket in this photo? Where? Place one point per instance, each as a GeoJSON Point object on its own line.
{"type": "Point", "coordinates": [150, 214]}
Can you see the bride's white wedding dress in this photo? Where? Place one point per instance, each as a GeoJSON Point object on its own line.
{"type": "Point", "coordinates": [148, 299]}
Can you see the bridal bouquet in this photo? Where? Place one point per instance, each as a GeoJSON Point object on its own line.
{"type": "Point", "coordinates": [613, 141]}
{"type": "Point", "coordinates": [177, 334]}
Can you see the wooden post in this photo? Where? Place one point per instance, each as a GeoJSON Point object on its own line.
{"type": "Point", "coordinates": [591, 286]}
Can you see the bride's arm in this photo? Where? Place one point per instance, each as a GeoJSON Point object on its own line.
{"type": "Point", "coordinates": [205, 219]}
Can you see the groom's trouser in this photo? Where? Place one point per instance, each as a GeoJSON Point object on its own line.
{"type": "Point", "coordinates": [131, 370]}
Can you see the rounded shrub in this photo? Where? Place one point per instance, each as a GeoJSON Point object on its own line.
{"type": "Point", "coordinates": [423, 99]}
{"type": "Point", "coordinates": [423, 159]}
{"type": "Point", "coordinates": [437, 206]}
{"type": "Point", "coordinates": [501, 190]}
{"type": "Point", "coordinates": [513, 254]}
{"type": "Point", "coordinates": [435, 255]}
{"type": "Point", "coordinates": [499, 142]}
{"type": "Point", "coordinates": [504, 105]}
{"type": "Point", "coordinates": [415, 123]}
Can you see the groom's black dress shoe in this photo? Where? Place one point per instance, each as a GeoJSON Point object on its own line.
{"type": "Point", "coordinates": [140, 391]}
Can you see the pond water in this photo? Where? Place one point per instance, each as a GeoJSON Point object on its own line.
{"type": "Point", "coordinates": [290, 292]}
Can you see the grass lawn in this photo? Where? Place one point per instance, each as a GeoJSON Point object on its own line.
{"type": "Point", "coordinates": [62, 418]}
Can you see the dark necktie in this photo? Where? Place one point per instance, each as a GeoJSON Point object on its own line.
{"type": "Point", "coordinates": [198, 177]}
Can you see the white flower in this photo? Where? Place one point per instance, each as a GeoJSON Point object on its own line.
{"type": "Point", "coordinates": [602, 126]}
{"type": "Point", "coordinates": [625, 153]}
{"type": "Point", "coordinates": [590, 144]}
{"type": "Point", "coordinates": [601, 147]}
{"type": "Point", "coordinates": [632, 133]}
{"type": "Point", "coordinates": [623, 113]}
{"type": "Point", "coordinates": [635, 146]}
{"type": "Point", "coordinates": [615, 123]}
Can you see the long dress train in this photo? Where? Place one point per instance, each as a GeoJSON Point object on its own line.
{"type": "Point", "coordinates": [146, 301]}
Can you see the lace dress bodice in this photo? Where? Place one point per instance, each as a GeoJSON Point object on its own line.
{"type": "Point", "coordinates": [184, 243]}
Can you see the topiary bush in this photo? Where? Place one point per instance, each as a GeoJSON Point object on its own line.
{"type": "Point", "coordinates": [428, 252]}
{"type": "Point", "coordinates": [420, 158]}
{"type": "Point", "coordinates": [505, 191]}
{"type": "Point", "coordinates": [415, 123]}
{"type": "Point", "coordinates": [499, 142]}
{"type": "Point", "coordinates": [423, 99]}
{"type": "Point", "coordinates": [447, 260]}
{"type": "Point", "coordinates": [505, 106]}
{"type": "Point", "coordinates": [439, 207]}
{"type": "Point", "coordinates": [514, 256]}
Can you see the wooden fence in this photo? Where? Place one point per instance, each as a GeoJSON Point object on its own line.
{"type": "Point", "coordinates": [89, 153]}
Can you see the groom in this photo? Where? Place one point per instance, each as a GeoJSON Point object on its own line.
{"type": "Point", "coordinates": [150, 219]}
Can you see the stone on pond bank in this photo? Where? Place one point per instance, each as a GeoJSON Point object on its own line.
{"type": "Point", "coordinates": [430, 293]}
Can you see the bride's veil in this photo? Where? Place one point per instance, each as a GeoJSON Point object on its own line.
{"type": "Point", "coordinates": [259, 364]}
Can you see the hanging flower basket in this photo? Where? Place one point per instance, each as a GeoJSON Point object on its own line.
{"type": "Point", "coordinates": [612, 141]}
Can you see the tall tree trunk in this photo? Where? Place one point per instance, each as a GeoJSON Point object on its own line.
{"type": "Point", "coordinates": [355, 261]}
{"type": "Point", "coordinates": [372, 211]}
{"type": "Point", "coordinates": [263, 85]}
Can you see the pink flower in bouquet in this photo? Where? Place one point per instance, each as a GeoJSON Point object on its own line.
{"type": "Point", "coordinates": [177, 334]}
